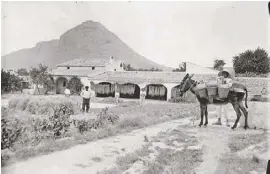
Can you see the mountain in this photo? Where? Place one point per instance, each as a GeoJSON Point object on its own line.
{"type": "Point", "coordinates": [87, 40]}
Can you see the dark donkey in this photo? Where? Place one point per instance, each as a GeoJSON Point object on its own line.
{"type": "Point", "coordinates": [235, 98]}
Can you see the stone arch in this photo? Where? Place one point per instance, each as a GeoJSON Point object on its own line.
{"type": "Point", "coordinates": [75, 85]}
{"type": "Point", "coordinates": [129, 90]}
{"type": "Point", "coordinates": [105, 89]}
{"type": "Point", "coordinates": [61, 84]}
{"type": "Point", "coordinates": [156, 92]}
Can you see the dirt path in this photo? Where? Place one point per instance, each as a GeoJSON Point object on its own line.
{"type": "Point", "coordinates": [91, 157]}
{"type": "Point", "coordinates": [214, 141]}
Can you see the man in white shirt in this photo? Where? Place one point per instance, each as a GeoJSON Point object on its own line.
{"type": "Point", "coordinates": [143, 94]}
{"type": "Point", "coordinates": [86, 95]}
{"type": "Point", "coordinates": [67, 92]}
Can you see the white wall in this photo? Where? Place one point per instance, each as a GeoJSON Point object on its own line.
{"type": "Point", "coordinates": [115, 65]}
{"type": "Point", "coordinates": [85, 81]}
{"type": "Point", "coordinates": [196, 69]}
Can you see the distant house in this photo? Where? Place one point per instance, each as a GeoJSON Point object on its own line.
{"type": "Point", "coordinates": [80, 69]}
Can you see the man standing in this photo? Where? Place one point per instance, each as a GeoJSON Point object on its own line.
{"type": "Point", "coordinates": [67, 92]}
{"type": "Point", "coordinates": [224, 79]}
{"type": "Point", "coordinates": [143, 94]}
{"type": "Point", "coordinates": [86, 95]}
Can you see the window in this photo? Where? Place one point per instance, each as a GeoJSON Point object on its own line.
{"type": "Point", "coordinates": [64, 84]}
{"type": "Point", "coordinates": [68, 67]}
{"type": "Point", "coordinates": [114, 69]}
{"type": "Point", "coordinates": [93, 68]}
{"type": "Point", "coordinates": [121, 65]}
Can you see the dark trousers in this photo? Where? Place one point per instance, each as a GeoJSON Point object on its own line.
{"type": "Point", "coordinates": [86, 104]}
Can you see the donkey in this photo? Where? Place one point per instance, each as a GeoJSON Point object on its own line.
{"type": "Point", "coordinates": [235, 98]}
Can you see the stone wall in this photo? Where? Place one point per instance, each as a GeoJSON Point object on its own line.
{"type": "Point", "coordinates": [255, 86]}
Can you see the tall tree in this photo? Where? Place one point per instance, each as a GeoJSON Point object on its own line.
{"type": "Point", "coordinates": [9, 82]}
{"type": "Point", "coordinates": [218, 64]}
{"type": "Point", "coordinates": [22, 72]}
{"type": "Point", "coordinates": [41, 76]}
{"type": "Point", "coordinates": [250, 61]}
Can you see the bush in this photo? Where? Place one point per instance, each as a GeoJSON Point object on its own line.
{"type": "Point", "coordinates": [32, 129]}
{"type": "Point", "coordinates": [11, 129]}
{"type": "Point", "coordinates": [104, 118]}
{"type": "Point", "coordinates": [42, 105]}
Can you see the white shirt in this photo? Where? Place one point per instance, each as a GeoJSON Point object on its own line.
{"type": "Point", "coordinates": [67, 91]}
{"type": "Point", "coordinates": [87, 94]}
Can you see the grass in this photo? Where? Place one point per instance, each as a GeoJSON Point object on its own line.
{"type": "Point", "coordinates": [132, 116]}
{"type": "Point", "coordinates": [166, 159]}
{"type": "Point", "coordinates": [234, 164]}
{"type": "Point", "coordinates": [240, 142]}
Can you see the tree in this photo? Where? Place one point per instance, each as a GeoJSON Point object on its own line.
{"type": "Point", "coordinates": [128, 67]}
{"type": "Point", "coordinates": [256, 61]}
{"type": "Point", "coordinates": [23, 72]}
{"type": "Point", "coordinates": [9, 82]}
{"type": "Point", "coordinates": [41, 76]}
{"type": "Point", "coordinates": [75, 85]}
{"type": "Point", "coordinates": [182, 67]}
{"type": "Point", "coordinates": [218, 64]}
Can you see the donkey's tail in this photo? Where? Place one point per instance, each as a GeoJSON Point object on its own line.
{"type": "Point", "coordinates": [246, 97]}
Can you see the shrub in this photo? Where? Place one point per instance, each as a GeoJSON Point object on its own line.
{"type": "Point", "coordinates": [103, 119]}
{"type": "Point", "coordinates": [131, 122]}
{"type": "Point", "coordinates": [11, 129]}
{"type": "Point", "coordinates": [42, 105]}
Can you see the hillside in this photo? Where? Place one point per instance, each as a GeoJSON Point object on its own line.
{"type": "Point", "coordinates": [87, 40]}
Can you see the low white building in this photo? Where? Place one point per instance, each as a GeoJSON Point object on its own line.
{"type": "Point", "coordinates": [80, 69]}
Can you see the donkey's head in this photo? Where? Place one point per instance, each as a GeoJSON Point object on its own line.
{"type": "Point", "coordinates": [186, 84]}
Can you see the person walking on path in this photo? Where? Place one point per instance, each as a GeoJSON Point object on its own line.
{"type": "Point", "coordinates": [86, 96]}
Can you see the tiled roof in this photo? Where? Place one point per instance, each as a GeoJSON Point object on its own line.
{"type": "Point", "coordinates": [146, 76]}
{"type": "Point", "coordinates": [75, 72]}
{"type": "Point", "coordinates": [85, 63]}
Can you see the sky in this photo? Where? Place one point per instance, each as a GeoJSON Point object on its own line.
{"type": "Point", "coordinates": [166, 32]}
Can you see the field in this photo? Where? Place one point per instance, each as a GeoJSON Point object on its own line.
{"type": "Point", "coordinates": [46, 131]}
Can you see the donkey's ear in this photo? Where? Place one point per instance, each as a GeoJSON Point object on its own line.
{"type": "Point", "coordinates": [191, 76]}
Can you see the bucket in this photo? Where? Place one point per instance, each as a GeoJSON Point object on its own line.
{"type": "Point", "coordinates": [223, 92]}
{"type": "Point", "coordinates": [212, 91]}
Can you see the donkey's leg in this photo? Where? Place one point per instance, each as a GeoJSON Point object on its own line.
{"type": "Point", "coordinates": [202, 113]}
{"type": "Point", "coordinates": [245, 112]}
{"type": "Point", "coordinates": [238, 113]}
{"type": "Point", "coordinates": [206, 116]}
